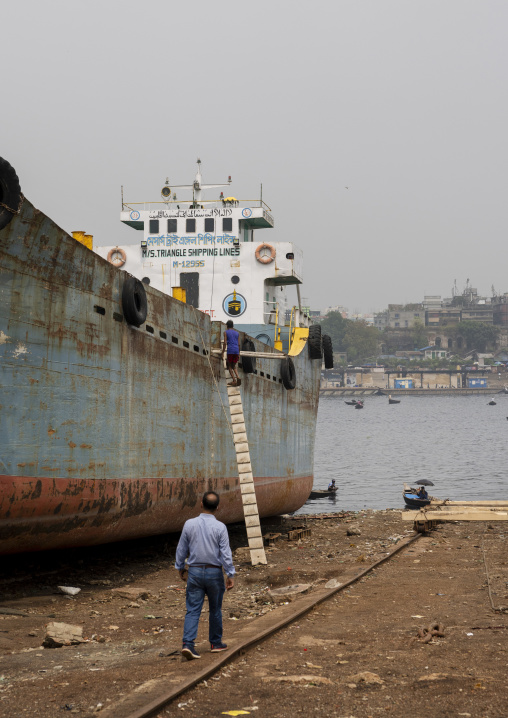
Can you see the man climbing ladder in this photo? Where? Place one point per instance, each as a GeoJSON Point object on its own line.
{"type": "Point", "coordinates": [230, 344]}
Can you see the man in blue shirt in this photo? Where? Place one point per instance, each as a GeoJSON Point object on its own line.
{"type": "Point", "coordinates": [205, 542]}
{"type": "Point", "coordinates": [231, 338]}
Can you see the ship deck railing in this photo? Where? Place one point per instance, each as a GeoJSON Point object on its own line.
{"type": "Point", "coordinates": [212, 203]}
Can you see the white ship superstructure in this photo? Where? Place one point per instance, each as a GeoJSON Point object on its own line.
{"type": "Point", "coordinates": [211, 249]}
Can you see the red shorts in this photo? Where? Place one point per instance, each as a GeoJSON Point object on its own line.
{"type": "Point", "coordinates": [233, 358]}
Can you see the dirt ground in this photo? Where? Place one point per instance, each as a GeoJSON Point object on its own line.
{"type": "Point", "coordinates": [356, 654]}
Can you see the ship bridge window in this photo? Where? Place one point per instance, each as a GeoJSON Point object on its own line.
{"type": "Point", "coordinates": [154, 226]}
{"type": "Point", "coordinates": [227, 224]}
{"type": "Point", "coordinates": [209, 224]}
{"type": "Point", "coordinates": [172, 226]}
{"type": "Point", "coordinates": [190, 225]}
{"type": "Point", "coordinates": [290, 255]}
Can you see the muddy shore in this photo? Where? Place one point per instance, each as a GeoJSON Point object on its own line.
{"type": "Point", "coordinates": [363, 652]}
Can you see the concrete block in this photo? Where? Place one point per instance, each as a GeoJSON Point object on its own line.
{"type": "Point", "coordinates": [62, 634]}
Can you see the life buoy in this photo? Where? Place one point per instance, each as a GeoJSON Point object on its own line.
{"type": "Point", "coordinates": [265, 258]}
{"type": "Point", "coordinates": [117, 257]}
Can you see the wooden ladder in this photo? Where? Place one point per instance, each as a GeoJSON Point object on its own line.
{"type": "Point", "coordinates": [250, 504]}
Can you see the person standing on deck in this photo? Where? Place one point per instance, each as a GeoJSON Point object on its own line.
{"type": "Point", "coordinates": [205, 542]}
{"type": "Point", "coordinates": [231, 338]}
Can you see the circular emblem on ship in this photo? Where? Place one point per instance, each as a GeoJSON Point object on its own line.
{"type": "Point", "coordinates": [247, 212]}
{"type": "Point", "coordinates": [135, 215]}
{"type": "Point", "coordinates": [234, 305]}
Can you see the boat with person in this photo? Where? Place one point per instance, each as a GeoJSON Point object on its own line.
{"type": "Point", "coordinates": [323, 493]}
{"type": "Point", "coordinates": [114, 413]}
{"type": "Point", "coordinates": [413, 497]}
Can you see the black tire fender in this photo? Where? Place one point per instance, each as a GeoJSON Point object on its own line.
{"type": "Point", "coordinates": [248, 363]}
{"type": "Point", "coordinates": [328, 351]}
{"type": "Point", "coordinates": [288, 373]}
{"type": "Point", "coordinates": [314, 342]}
{"type": "Point", "coordinates": [134, 302]}
{"type": "Point", "coordinates": [10, 193]}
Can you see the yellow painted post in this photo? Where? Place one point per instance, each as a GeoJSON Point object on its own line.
{"type": "Point", "coordinates": [83, 238]}
{"type": "Point", "coordinates": [180, 294]}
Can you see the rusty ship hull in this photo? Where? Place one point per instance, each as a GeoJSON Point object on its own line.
{"type": "Point", "coordinates": [110, 431]}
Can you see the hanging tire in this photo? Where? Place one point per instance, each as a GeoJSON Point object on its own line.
{"type": "Point", "coordinates": [248, 363]}
{"type": "Point", "coordinates": [314, 342]}
{"type": "Point", "coordinates": [288, 373]}
{"type": "Point", "coordinates": [134, 303]}
{"type": "Point", "coordinates": [10, 193]}
{"type": "Point", "coordinates": [328, 351]}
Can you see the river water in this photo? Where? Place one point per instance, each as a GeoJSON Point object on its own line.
{"type": "Point", "coordinates": [458, 442]}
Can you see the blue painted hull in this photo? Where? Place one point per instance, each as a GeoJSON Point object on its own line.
{"type": "Point", "coordinates": [108, 431]}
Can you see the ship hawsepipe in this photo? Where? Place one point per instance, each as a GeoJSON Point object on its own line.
{"type": "Point", "coordinates": [112, 431]}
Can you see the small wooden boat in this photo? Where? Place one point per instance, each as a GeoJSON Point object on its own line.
{"type": "Point", "coordinates": [413, 500]}
{"type": "Point", "coordinates": [322, 493]}
{"type": "Point", "coordinates": [359, 405]}
{"type": "Point", "coordinates": [351, 403]}
{"type": "Point", "coordinates": [492, 403]}
{"type": "Point", "coordinates": [393, 401]}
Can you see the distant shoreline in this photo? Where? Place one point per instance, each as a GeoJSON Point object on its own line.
{"type": "Point", "coordinates": [345, 392]}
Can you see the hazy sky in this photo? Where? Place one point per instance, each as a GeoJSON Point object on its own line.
{"type": "Point", "coordinates": [377, 127]}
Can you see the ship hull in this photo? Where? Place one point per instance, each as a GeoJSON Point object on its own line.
{"type": "Point", "coordinates": [110, 431]}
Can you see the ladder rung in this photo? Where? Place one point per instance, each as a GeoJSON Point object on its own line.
{"type": "Point", "coordinates": [250, 499]}
{"type": "Point", "coordinates": [257, 556]}
{"type": "Point", "coordinates": [241, 447]}
{"type": "Point", "coordinates": [238, 419]}
{"type": "Point", "coordinates": [235, 400]}
{"type": "Point", "coordinates": [250, 509]}
{"type": "Point", "coordinates": [247, 489]}
{"type": "Point", "coordinates": [252, 521]}
{"type": "Point", "coordinates": [256, 542]}
{"type": "Point", "coordinates": [246, 478]}
{"type": "Point", "coordinates": [239, 427]}
{"type": "Point", "coordinates": [243, 458]}
{"type": "Point", "coordinates": [236, 409]}
{"type": "Point", "coordinates": [254, 532]}
{"type": "Point", "coordinates": [244, 468]}
{"type": "Point", "coordinates": [241, 436]}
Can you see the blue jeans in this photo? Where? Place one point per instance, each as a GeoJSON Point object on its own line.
{"type": "Point", "coordinates": [203, 581]}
